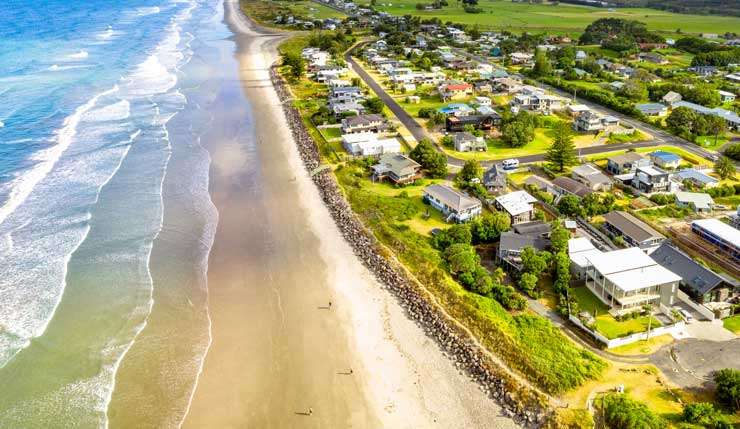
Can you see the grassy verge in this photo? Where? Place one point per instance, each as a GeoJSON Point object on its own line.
{"type": "Point", "coordinates": [643, 347]}
{"type": "Point", "coordinates": [732, 323]}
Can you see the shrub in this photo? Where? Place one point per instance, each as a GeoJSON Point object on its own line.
{"type": "Point", "coordinates": [624, 413]}
{"type": "Point", "coordinates": [728, 388]}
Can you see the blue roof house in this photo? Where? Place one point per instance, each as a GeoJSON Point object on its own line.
{"type": "Point", "coordinates": [697, 178]}
{"type": "Point", "coordinates": [665, 159]}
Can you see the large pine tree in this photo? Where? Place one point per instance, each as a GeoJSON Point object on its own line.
{"type": "Point", "coordinates": [562, 153]}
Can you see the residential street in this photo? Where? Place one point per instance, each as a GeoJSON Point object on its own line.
{"type": "Point", "coordinates": [420, 133]}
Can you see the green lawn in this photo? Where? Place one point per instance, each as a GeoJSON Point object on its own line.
{"type": "Point", "coordinates": [314, 10]}
{"type": "Point", "coordinates": [505, 14]}
{"type": "Point", "coordinates": [732, 323]}
{"type": "Point", "coordinates": [687, 156]}
{"type": "Point", "coordinates": [499, 150]}
{"type": "Point", "coordinates": [331, 133]}
{"type": "Point", "coordinates": [709, 142]}
{"type": "Point", "coordinates": [606, 324]}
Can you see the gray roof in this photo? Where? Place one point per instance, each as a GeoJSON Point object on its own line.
{"type": "Point", "coordinates": [631, 226]}
{"type": "Point", "coordinates": [464, 137]}
{"type": "Point", "coordinates": [697, 277]}
{"type": "Point", "coordinates": [453, 198]}
{"type": "Point", "coordinates": [533, 228]}
{"type": "Point", "coordinates": [537, 181]}
{"type": "Point", "coordinates": [510, 240]}
{"type": "Point", "coordinates": [627, 157]}
{"type": "Point", "coordinates": [357, 120]}
{"type": "Point", "coordinates": [650, 107]}
{"type": "Point", "coordinates": [572, 186]}
{"type": "Point", "coordinates": [591, 173]}
{"type": "Point", "coordinates": [700, 200]}
{"type": "Point", "coordinates": [398, 164]}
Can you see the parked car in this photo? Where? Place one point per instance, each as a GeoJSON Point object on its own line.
{"type": "Point", "coordinates": [686, 315]}
{"type": "Point", "coordinates": [510, 164]}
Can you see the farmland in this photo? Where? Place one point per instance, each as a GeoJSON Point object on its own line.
{"type": "Point", "coordinates": [516, 17]}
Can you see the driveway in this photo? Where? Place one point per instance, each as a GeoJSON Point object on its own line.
{"type": "Point", "coordinates": [690, 363]}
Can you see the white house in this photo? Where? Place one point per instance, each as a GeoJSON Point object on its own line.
{"type": "Point", "coordinates": [366, 144]}
{"type": "Point", "coordinates": [518, 205]}
{"type": "Point", "coordinates": [627, 279]}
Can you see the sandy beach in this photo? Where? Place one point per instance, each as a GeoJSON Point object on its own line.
{"type": "Point", "coordinates": [279, 349]}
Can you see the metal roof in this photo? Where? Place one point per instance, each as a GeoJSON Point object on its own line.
{"type": "Point", "coordinates": [631, 226]}
{"type": "Point", "coordinates": [697, 277]}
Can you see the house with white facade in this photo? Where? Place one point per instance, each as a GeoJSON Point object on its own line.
{"type": "Point", "coordinates": [518, 205]}
{"type": "Point", "coordinates": [456, 206]}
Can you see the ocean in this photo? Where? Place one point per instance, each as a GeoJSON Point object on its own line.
{"type": "Point", "coordinates": [106, 222]}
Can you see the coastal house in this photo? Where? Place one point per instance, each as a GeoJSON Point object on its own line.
{"type": "Point", "coordinates": [700, 283]}
{"type": "Point", "coordinates": [665, 159]}
{"type": "Point", "coordinates": [367, 144]}
{"type": "Point", "coordinates": [345, 94]}
{"type": "Point", "coordinates": [627, 279]}
{"type": "Point", "coordinates": [724, 237]}
{"type": "Point", "coordinates": [512, 243]}
{"type": "Point", "coordinates": [507, 85]}
{"type": "Point", "coordinates": [651, 179]}
{"type": "Point", "coordinates": [634, 231]}
{"type": "Point", "coordinates": [564, 185]}
{"type": "Point", "coordinates": [695, 178]}
{"type": "Point", "coordinates": [652, 109]}
{"type": "Point", "coordinates": [576, 109]}
{"type": "Point", "coordinates": [342, 109]}
{"type": "Point", "coordinates": [494, 179]}
{"type": "Point", "coordinates": [455, 91]}
{"type": "Point", "coordinates": [479, 122]}
{"type": "Point", "coordinates": [397, 168]}
{"type": "Point", "coordinates": [697, 201]}
{"type": "Point", "coordinates": [518, 205]}
{"type": "Point", "coordinates": [626, 163]}
{"type": "Point", "coordinates": [589, 121]}
{"type": "Point", "coordinates": [456, 206]}
{"type": "Point", "coordinates": [467, 142]}
{"type": "Point", "coordinates": [536, 101]}
{"type": "Point", "coordinates": [671, 97]}
{"type": "Point", "coordinates": [372, 123]}
{"type": "Point", "coordinates": [726, 96]}
{"type": "Point", "coordinates": [591, 176]}
{"type": "Point", "coordinates": [579, 251]}
{"type": "Point", "coordinates": [456, 109]}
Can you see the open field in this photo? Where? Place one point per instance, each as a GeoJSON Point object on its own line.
{"type": "Point", "coordinates": [503, 14]}
{"type": "Point", "coordinates": [264, 11]}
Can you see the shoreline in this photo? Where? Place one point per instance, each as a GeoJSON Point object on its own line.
{"type": "Point", "coordinates": [273, 350]}
{"type": "Point", "coordinates": [390, 275]}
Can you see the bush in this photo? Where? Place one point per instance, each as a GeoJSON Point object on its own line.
{"type": "Point", "coordinates": [701, 413]}
{"type": "Point", "coordinates": [728, 388]}
{"type": "Point", "coordinates": [624, 413]}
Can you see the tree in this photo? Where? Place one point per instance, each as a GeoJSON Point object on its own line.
{"type": "Point", "coordinates": [681, 121]}
{"type": "Point", "coordinates": [456, 234]}
{"type": "Point", "coordinates": [296, 63]}
{"type": "Point", "coordinates": [432, 161]}
{"type": "Point", "coordinates": [715, 125]}
{"type": "Point", "coordinates": [559, 237]}
{"type": "Point", "coordinates": [461, 258]}
{"type": "Point", "coordinates": [471, 170]}
{"type": "Point", "coordinates": [700, 413]}
{"type": "Point", "coordinates": [728, 388]}
{"type": "Point", "coordinates": [517, 133]}
{"type": "Point", "coordinates": [483, 284]}
{"type": "Point", "coordinates": [542, 66]}
{"type": "Point", "coordinates": [634, 90]}
{"type": "Point", "coordinates": [570, 205]}
{"type": "Point", "coordinates": [489, 227]}
{"type": "Point", "coordinates": [533, 261]}
{"type": "Point", "coordinates": [562, 152]}
{"type": "Point", "coordinates": [733, 151]}
{"type": "Point", "coordinates": [724, 167]}
{"type": "Point", "coordinates": [528, 284]}
{"type": "Point", "coordinates": [624, 413]}
{"type": "Point", "coordinates": [562, 272]}
{"type": "Point", "coordinates": [374, 105]}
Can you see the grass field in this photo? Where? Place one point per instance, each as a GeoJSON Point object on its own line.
{"type": "Point", "coordinates": [504, 14]}
{"type": "Point", "coordinates": [732, 323]}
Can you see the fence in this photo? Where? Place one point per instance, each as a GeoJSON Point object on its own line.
{"type": "Point", "coordinates": [704, 311]}
{"type": "Point", "coordinates": [621, 341]}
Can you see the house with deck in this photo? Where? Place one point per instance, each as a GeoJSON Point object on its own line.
{"type": "Point", "coordinates": [455, 205]}
{"type": "Point", "coordinates": [626, 163]}
{"type": "Point", "coordinates": [518, 205]}
{"type": "Point", "coordinates": [396, 168]}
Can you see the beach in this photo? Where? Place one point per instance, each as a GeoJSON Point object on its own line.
{"type": "Point", "coordinates": [302, 334]}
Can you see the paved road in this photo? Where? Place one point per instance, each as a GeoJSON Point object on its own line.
{"type": "Point", "coordinates": [690, 363]}
{"type": "Point", "coordinates": [420, 133]}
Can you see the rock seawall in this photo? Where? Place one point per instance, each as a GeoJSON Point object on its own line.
{"type": "Point", "coordinates": [456, 344]}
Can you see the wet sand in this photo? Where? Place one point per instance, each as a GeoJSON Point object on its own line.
{"type": "Point", "coordinates": [277, 262]}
